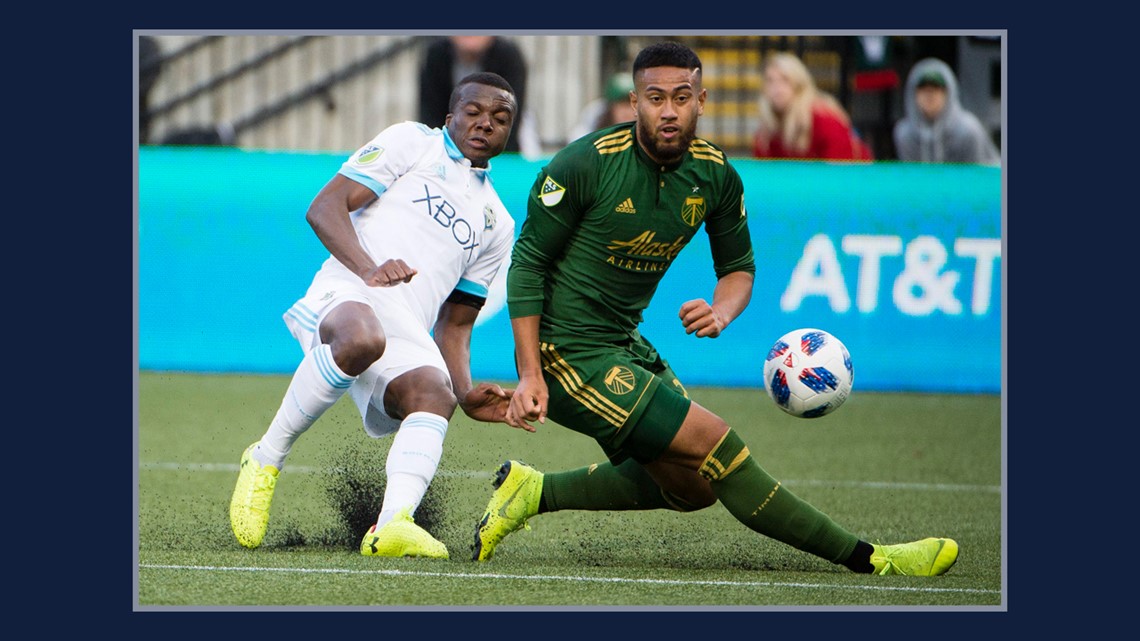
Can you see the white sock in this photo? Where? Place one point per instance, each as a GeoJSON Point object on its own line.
{"type": "Point", "coordinates": [412, 461]}
{"type": "Point", "coordinates": [316, 386]}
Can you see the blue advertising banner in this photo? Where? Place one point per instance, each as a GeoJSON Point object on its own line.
{"type": "Point", "coordinates": [902, 262]}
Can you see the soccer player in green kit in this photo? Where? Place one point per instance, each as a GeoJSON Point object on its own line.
{"type": "Point", "coordinates": [605, 219]}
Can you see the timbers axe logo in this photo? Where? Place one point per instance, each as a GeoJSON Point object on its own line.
{"type": "Point", "coordinates": [693, 211]}
{"type": "Point", "coordinates": [368, 154]}
{"type": "Point", "coordinates": [620, 380]}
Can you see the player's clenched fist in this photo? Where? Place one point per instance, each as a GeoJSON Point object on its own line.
{"type": "Point", "coordinates": [700, 317]}
{"type": "Point", "coordinates": [528, 403]}
{"type": "Point", "coordinates": [391, 272]}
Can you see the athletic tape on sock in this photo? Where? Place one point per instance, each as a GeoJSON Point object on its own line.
{"type": "Point", "coordinates": [725, 458]}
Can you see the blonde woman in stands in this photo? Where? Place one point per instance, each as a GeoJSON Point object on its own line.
{"type": "Point", "coordinates": [799, 121]}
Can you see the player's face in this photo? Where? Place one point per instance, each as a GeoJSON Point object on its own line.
{"type": "Point", "coordinates": [481, 122]}
{"type": "Point", "coordinates": [668, 102]}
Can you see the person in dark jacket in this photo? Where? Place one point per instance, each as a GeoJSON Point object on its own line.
{"type": "Point", "coordinates": [449, 59]}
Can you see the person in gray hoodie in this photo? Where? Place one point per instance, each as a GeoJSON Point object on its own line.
{"type": "Point", "coordinates": [935, 127]}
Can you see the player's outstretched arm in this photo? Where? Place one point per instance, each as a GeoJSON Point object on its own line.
{"type": "Point", "coordinates": [485, 402]}
{"type": "Point", "coordinates": [531, 395]}
{"type": "Point", "coordinates": [328, 215]}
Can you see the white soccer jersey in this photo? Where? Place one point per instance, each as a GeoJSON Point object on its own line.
{"type": "Point", "coordinates": [433, 210]}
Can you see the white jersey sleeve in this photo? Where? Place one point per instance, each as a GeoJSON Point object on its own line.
{"type": "Point", "coordinates": [389, 155]}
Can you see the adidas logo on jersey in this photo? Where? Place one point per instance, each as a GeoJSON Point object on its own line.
{"type": "Point", "coordinates": [626, 207]}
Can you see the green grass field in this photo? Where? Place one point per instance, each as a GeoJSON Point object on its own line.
{"type": "Point", "coordinates": [889, 467]}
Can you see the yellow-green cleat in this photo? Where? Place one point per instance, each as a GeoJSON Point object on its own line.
{"type": "Point", "coordinates": [249, 507]}
{"type": "Point", "coordinates": [401, 537]}
{"type": "Point", "coordinates": [928, 557]}
{"type": "Point", "coordinates": [518, 488]}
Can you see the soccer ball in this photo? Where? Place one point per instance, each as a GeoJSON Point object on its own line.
{"type": "Point", "coordinates": [808, 373]}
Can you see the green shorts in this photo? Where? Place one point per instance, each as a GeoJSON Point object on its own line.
{"type": "Point", "coordinates": [623, 396]}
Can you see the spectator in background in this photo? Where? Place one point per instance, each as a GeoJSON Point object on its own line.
{"type": "Point", "coordinates": [935, 126]}
{"type": "Point", "coordinates": [799, 121]}
{"type": "Point", "coordinates": [610, 109]}
{"type": "Point", "coordinates": [449, 59]}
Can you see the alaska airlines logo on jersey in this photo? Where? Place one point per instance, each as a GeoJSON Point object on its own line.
{"type": "Point", "coordinates": [551, 193]}
{"type": "Point", "coordinates": [488, 217]}
{"type": "Point", "coordinates": [368, 154]}
{"type": "Point", "coordinates": [644, 245]}
{"type": "Point", "coordinates": [620, 380]}
{"type": "Point", "coordinates": [693, 211]}
{"type": "Point", "coordinates": [626, 207]}
{"type": "Point", "coordinates": [444, 213]}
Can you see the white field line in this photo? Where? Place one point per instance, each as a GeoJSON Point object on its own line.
{"type": "Point", "coordinates": [563, 578]}
{"type": "Point", "coordinates": [232, 468]}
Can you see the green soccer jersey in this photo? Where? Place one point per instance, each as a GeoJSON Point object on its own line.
{"type": "Point", "coordinates": [604, 223]}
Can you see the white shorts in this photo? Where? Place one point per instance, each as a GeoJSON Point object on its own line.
{"type": "Point", "coordinates": [408, 346]}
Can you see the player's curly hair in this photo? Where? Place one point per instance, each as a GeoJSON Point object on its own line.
{"type": "Point", "coordinates": [480, 78]}
{"type": "Point", "coordinates": [666, 54]}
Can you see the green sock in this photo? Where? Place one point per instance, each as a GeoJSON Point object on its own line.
{"type": "Point", "coordinates": [764, 505]}
{"type": "Point", "coordinates": [602, 486]}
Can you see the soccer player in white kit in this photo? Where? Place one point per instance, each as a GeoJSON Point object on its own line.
{"type": "Point", "coordinates": [416, 234]}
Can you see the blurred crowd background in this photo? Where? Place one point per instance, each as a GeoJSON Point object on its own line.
{"type": "Point", "coordinates": [334, 92]}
